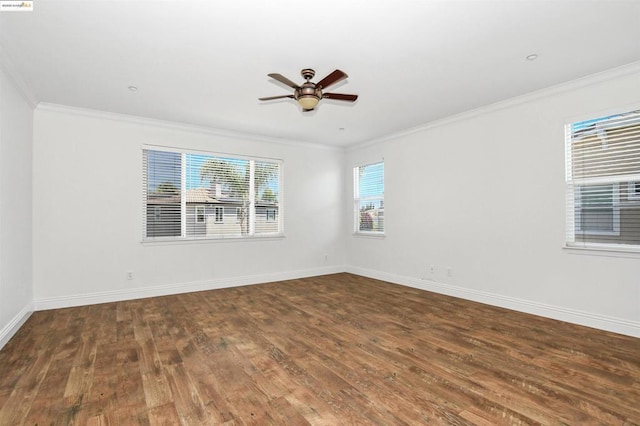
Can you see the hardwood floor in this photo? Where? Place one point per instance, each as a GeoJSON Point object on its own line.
{"type": "Point", "coordinates": [331, 350]}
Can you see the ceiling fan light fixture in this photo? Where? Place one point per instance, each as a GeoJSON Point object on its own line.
{"type": "Point", "coordinates": [308, 101]}
{"type": "Point", "coordinates": [308, 94]}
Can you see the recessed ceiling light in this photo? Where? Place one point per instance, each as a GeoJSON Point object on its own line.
{"type": "Point", "coordinates": [532, 57]}
{"type": "Point", "coordinates": [133, 88]}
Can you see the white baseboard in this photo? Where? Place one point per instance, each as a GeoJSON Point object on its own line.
{"type": "Point", "coordinates": [7, 332]}
{"type": "Point", "coordinates": [602, 322]}
{"type": "Point", "coordinates": [168, 289]}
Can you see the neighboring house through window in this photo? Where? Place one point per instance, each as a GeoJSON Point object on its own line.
{"type": "Point", "coordinates": [597, 209]}
{"type": "Point", "coordinates": [603, 176]}
{"type": "Point", "coordinates": [186, 195]}
{"type": "Point", "coordinates": [368, 198]}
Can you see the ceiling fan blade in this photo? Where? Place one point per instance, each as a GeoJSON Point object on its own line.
{"type": "Point", "coordinates": [284, 80]}
{"type": "Point", "coordinates": [270, 98]}
{"type": "Point", "coordinates": [332, 78]}
{"type": "Point", "coordinates": [340, 97]}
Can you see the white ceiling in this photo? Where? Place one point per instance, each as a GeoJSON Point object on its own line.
{"type": "Point", "coordinates": [205, 63]}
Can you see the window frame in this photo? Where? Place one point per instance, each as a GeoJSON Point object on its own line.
{"type": "Point", "coordinates": [199, 215]}
{"type": "Point", "coordinates": [184, 237]}
{"type": "Point", "coordinates": [358, 199]}
{"type": "Point", "coordinates": [218, 214]}
{"type": "Point", "coordinates": [624, 181]}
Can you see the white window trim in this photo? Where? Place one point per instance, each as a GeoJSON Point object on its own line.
{"type": "Point", "coordinates": [183, 239]}
{"type": "Point", "coordinates": [588, 247]}
{"type": "Point", "coordinates": [357, 200]}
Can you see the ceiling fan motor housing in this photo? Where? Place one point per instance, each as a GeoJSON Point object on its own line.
{"type": "Point", "coordinates": [308, 89]}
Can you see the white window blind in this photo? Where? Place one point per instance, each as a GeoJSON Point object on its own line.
{"type": "Point", "coordinates": [603, 177]}
{"type": "Point", "coordinates": [368, 202]}
{"type": "Point", "coordinates": [192, 195]}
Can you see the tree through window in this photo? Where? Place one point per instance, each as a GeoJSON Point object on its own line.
{"type": "Point", "coordinates": [191, 195]}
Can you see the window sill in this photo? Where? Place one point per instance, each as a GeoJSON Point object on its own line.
{"type": "Point", "coordinates": [369, 235]}
{"type": "Point", "coordinates": [213, 240]}
{"type": "Point", "coordinates": [604, 250]}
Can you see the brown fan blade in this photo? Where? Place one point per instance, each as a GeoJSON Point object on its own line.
{"type": "Point", "coordinates": [284, 80]}
{"type": "Point", "coordinates": [270, 98]}
{"type": "Point", "coordinates": [340, 97]}
{"type": "Point", "coordinates": [332, 78]}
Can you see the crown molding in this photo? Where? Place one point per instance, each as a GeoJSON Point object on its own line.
{"type": "Point", "coordinates": [622, 71]}
{"type": "Point", "coordinates": [174, 125]}
{"type": "Point", "coordinates": [589, 80]}
{"type": "Point", "coordinates": [14, 76]}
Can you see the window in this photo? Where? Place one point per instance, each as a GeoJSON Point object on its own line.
{"type": "Point", "coordinates": [199, 214]}
{"type": "Point", "coordinates": [634, 191]}
{"type": "Point", "coordinates": [602, 177]}
{"type": "Point", "coordinates": [368, 198]}
{"type": "Point", "coordinates": [185, 194]}
{"type": "Point", "coordinates": [597, 209]}
{"type": "Point", "coordinates": [219, 212]}
{"type": "Point", "coordinates": [271, 215]}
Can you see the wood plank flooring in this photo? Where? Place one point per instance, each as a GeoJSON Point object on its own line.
{"type": "Point", "coordinates": [332, 350]}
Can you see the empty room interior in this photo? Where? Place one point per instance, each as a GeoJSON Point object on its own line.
{"type": "Point", "coordinates": [362, 212]}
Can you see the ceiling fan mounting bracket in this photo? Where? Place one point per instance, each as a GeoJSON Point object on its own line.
{"type": "Point", "coordinates": [307, 73]}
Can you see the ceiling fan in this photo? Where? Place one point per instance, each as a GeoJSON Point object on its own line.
{"type": "Point", "coordinates": [309, 94]}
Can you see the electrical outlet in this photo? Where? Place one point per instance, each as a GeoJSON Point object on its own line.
{"type": "Point", "coordinates": [432, 269]}
{"type": "Point", "coordinates": [129, 275]}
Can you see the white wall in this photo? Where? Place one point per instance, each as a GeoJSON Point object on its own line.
{"type": "Point", "coordinates": [16, 126]}
{"type": "Point", "coordinates": [483, 194]}
{"type": "Point", "coordinates": [88, 213]}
